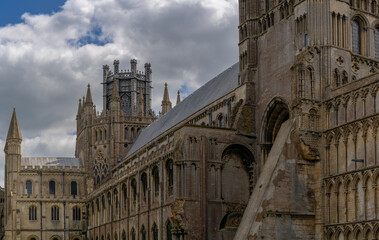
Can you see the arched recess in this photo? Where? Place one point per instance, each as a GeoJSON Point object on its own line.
{"type": "Point", "coordinates": [276, 113]}
{"type": "Point", "coordinates": [237, 160]}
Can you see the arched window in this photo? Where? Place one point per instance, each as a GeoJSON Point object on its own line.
{"type": "Point", "coordinates": [357, 36]}
{"type": "Point", "coordinates": [312, 82]}
{"type": "Point", "coordinates": [156, 181]}
{"type": "Point", "coordinates": [76, 214]}
{"type": "Point", "coordinates": [143, 233]}
{"type": "Point", "coordinates": [132, 134]}
{"type": "Point", "coordinates": [126, 133]}
{"type": "Point", "coordinates": [267, 5]}
{"type": "Point", "coordinates": [336, 78]}
{"type": "Point", "coordinates": [55, 213]}
{"type": "Point", "coordinates": [221, 121]}
{"type": "Point", "coordinates": [32, 213]}
{"type": "Point", "coordinates": [132, 234]}
{"type": "Point", "coordinates": [32, 238]}
{"type": "Point", "coordinates": [29, 187]}
{"type": "Point", "coordinates": [124, 196]}
{"type": "Point", "coordinates": [115, 198]}
{"type": "Point", "coordinates": [123, 235]}
{"type": "Point", "coordinates": [144, 186]}
{"type": "Point", "coordinates": [301, 86]}
{"type": "Point", "coordinates": [52, 187]}
{"type": "Point", "coordinates": [170, 177]}
{"type": "Point", "coordinates": [168, 230]}
{"type": "Point", "coordinates": [155, 232]}
{"type": "Point", "coordinates": [74, 188]}
{"type": "Point", "coordinates": [345, 78]}
{"type": "Point", "coordinates": [134, 190]}
{"type": "Point", "coordinates": [377, 42]}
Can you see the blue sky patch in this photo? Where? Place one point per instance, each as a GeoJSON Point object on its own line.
{"type": "Point", "coordinates": [184, 91]}
{"type": "Point", "coordinates": [12, 10]}
{"type": "Point", "coordinates": [95, 36]}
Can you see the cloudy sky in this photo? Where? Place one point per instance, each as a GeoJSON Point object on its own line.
{"type": "Point", "coordinates": [50, 51]}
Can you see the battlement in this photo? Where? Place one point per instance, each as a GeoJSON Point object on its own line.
{"type": "Point", "coordinates": [133, 72]}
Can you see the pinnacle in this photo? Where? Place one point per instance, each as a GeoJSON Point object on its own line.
{"type": "Point", "coordinates": [178, 97]}
{"type": "Point", "coordinates": [14, 129]}
{"type": "Point", "coordinates": [89, 96]}
{"type": "Point", "coordinates": [166, 98]}
{"type": "Point", "coordinates": [166, 103]}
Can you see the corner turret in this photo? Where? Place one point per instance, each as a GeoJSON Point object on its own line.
{"type": "Point", "coordinates": [148, 71]}
{"type": "Point", "coordinates": [133, 67]}
{"type": "Point", "coordinates": [116, 64]}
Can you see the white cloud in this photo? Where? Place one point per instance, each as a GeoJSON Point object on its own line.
{"type": "Point", "coordinates": [47, 60]}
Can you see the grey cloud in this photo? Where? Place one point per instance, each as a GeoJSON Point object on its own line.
{"type": "Point", "coordinates": [43, 76]}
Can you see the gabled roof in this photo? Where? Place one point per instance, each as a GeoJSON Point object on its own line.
{"type": "Point", "coordinates": [51, 162]}
{"type": "Point", "coordinates": [216, 88]}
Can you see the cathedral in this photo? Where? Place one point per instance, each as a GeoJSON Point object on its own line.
{"type": "Point", "coordinates": [281, 145]}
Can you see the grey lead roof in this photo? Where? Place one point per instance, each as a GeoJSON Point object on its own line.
{"type": "Point", "coordinates": [51, 162]}
{"type": "Point", "coordinates": [219, 86]}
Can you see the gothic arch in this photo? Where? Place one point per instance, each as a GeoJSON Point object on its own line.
{"type": "Point", "coordinates": [237, 160]}
{"type": "Point", "coordinates": [276, 113]}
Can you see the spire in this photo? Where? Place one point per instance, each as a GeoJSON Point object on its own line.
{"type": "Point", "coordinates": [166, 98]}
{"type": "Point", "coordinates": [178, 98]}
{"type": "Point", "coordinates": [140, 103]}
{"type": "Point", "coordinates": [166, 103]}
{"type": "Point", "coordinates": [14, 130]}
{"type": "Point", "coordinates": [89, 96]}
{"type": "Point", "coordinates": [115, 96]}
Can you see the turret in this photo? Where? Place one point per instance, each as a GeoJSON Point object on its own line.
{"type": "Point", "coordinates": [12, 151]}
{"type": "Point", "coordinates": [166, 103]}
{"type": "Point", "coordinates": [116, 64]}
{"type": "Point", "coordinates": [105, 78]}
{"type": "Point", "coordinates": [105, 72]}
{"type": "Point", "coordinates": [133, 66]}
{"type": "Point", "coordinates": [178, 98]}
{"type": "Point", "coordinates": [148, 71]}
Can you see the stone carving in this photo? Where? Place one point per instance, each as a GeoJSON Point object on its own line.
{"type": "Point", "coordinates": [340, 61]}
{"type": "Point", "coordinates": [178, 218]}
{"type": "Point", "coordinates": [305, 151]}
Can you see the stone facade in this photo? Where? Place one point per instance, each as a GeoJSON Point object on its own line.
{"type": "Point", "coordinates": [282, 145]}
{"type": "Point", "coordinates": [45, 198]}
{"type": "Point", "coordinates": [314, 63]}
